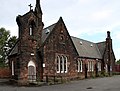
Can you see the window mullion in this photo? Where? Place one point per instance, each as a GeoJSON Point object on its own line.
{"type": "Point", "coordinates": [63, 64]}
{"type": "Point", "coordinates": [59, 64]}
{"type": "Point", "coordinates": [66, 64]}
{"type": "Point", "coordinates": [81, 66]}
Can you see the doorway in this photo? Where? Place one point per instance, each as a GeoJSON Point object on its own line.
{"type": "Point", "coordinates": [31, 71]}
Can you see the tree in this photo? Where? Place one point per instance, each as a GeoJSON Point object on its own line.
{"type": "Point", "coordinates": [118, 61]}
{"type": "Point", "coordinates": [4, 35]}
{"type": "Point", "coordinates": [11, 42]}
{"type": "Point", "coordinates": [6, 43]}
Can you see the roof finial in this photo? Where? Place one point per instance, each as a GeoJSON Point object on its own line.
{"type": "Point", "coordinates": [30, 7]}
{"type": "Point", "coordinates": [108, 34]}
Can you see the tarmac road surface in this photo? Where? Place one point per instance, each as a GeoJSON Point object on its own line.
{"type": "Point", "coordinates": [97, 84]}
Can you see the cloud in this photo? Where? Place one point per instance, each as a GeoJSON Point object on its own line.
{"type": "Point", "coordinates": [83, 18]}
{"type": "Point", "coordinates": [13, 29]}
{"type": "Point", "coordinates": [84, 1]}
{"type": "Point", "coordinates": [101, 15]}
{"type": "Point", "coordinates": [117, 51]}
{"type": "Point", "coordinates": [118, 36]}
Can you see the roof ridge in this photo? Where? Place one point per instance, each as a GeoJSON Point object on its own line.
{"type": "Point", "coordinates": [49, 26]}
{"type": "Point", "coordinates": [83, 40]}
{"type": "Point", "coordinates": [13, 48]}
{"type": "Point", "coordinates": [100, 42]}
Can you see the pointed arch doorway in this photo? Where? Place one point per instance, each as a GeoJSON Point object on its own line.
{"type": "Point", "coordinates": [31, 71]}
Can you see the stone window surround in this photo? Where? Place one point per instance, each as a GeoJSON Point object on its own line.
{"type": "Point", "coordinates": [90, 65]}
{"type": "Point", "coordinates": [80, 65]}
{"type": "Point", "coordinates": [12, 68]}
{"type": "Point", "coordinates": [30, 30]}
{"type": "Point", "coordinates": [62, 61]}
{"type": "Point", "coordinates": [99, 66]}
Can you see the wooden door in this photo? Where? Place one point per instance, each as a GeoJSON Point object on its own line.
{"type": "Point", "coordinates": [31, 73]}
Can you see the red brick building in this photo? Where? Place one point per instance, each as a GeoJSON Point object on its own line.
{"type": "Point", "coordinates": [52, 51]}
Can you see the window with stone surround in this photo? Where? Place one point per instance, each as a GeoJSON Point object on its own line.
{"type": "Point", "coordinates": [58, 64]}
{"type": "Point", "coordinates": [62, 39]}
{"type": "Point", "coordinates": [79, 65]}
{"type": "Point", "coordinates": [99, 66]}
{"type": "Point", "coordinates": [31, 30]}
{"type": "Point", "coordinates": [65, 64]}
{"type": "Point", "coordinates": [90, 65]}
{"type": "Point", "coordinates": [62, 64]}
{"type": "Point", "coordinates": [12, 68]}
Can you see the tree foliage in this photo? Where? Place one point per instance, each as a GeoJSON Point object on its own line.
{"type": "Point", "coordinates": [6, 43]}
{"type": "Point", "coordinates": [118, 61]}
{"type": "Point", "coordinates": [11, 42]}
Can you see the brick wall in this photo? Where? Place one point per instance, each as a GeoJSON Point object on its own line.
{"type": "Point", "coordinates": [117, 68]}
{"type": "Point", "coordinates": [4, 73]}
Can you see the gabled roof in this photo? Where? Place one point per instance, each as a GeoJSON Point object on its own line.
{"type": "Point", "coordinates": [86, 49]}
{"type": "Point", "coordinates": [46, 32]}
{"type": "Point", "coordinates": [14, 50]}
{"type": "Point", "coordinates": [101, 47]}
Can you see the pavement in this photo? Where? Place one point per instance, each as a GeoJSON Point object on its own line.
{"type": "Point", "coordinates": [96, 84]}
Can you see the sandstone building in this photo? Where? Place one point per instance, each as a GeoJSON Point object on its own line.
{"type": "Point", "coordinates": [52, 51]}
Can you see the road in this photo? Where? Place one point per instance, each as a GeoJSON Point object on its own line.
{"type": "Point", "coordinates": [97, 84]}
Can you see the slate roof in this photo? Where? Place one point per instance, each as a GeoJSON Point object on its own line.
{"type": "Point", "coordinates": [101, 47]}
{"type": "Point", "coordinates": [14, 50]}
{"type": "Point", "coordinates": [46, 31]}
{"type": "Point", "coordinates": [86, 48]}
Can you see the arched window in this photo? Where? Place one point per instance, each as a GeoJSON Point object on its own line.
{"type": "Point", "coordinates": [58, 64]}
{"type": "Point", "coordinates": [12, 68]}
{"type": "Point", "coordinates": [62, 64]}
{"type": "Point", "coordinates": [62, 38]}
{"type": "Point", "coordinates": [80, 65]}
{"type": "Point", "coordinates": [99, 66]}
{"type": "Point", "coordinates": [92, 64]}
{"type": "Point", "coordinates": [88, 65]}
{"type": "Point", "coordinates": [31, 30]}
{"type": "Point", "coordinates": [65, 64]}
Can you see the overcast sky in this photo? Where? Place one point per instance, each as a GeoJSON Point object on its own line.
{"type": "Point", "coordinates": [86, 19]}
